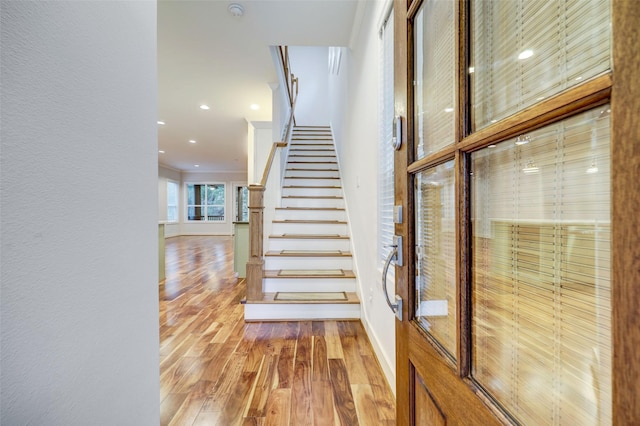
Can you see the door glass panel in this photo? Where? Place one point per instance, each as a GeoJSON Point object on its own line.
{"type": "Point", "coordinates": [541, 247]}
{"type": "Point", "coordinates": [524, 51]}
{"type": "Point", "coordinates": [436, 254]}
{"type": "Point", "coordinates": [435, 76]}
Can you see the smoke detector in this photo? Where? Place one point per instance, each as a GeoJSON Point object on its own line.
{"type": "Point", "coordinates": [236, 10]}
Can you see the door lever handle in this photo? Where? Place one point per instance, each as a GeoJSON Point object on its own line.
{"type": "Point", "coordinates": [395, 307]}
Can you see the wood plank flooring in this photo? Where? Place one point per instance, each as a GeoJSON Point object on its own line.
{"type": "Point", "coordinates": [217, 370]}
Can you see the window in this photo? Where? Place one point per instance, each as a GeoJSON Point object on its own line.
{"type": "Point", "coordinates": [172, 201]}
{"type": "Point", "coordinates": [385, 150]}
{"type": "Point", "coordinates": [205, 202]}
{"type": "Point", "coordinates": [542, 272]}
{"type": "Point", "coordinates": [242, 204]}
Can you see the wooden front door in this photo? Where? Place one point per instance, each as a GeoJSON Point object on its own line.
{"type": "Point", "coordinates": [518, 178]}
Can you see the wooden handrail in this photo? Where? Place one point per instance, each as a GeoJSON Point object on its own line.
{"type": "Point", "coordinates": [255, 264]}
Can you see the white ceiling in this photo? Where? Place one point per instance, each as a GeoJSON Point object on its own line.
{"type": "Point", "coordinates": [207, 56]}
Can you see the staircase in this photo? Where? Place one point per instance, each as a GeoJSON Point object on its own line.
{"type": "Point", "coordinates": [308, 264]}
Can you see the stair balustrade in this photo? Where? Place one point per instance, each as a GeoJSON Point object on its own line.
{"type": "Point", "coordinates": [271, 179]}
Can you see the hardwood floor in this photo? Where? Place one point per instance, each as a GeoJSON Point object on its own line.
{"type": "Point", "coordinates": [215, 369]}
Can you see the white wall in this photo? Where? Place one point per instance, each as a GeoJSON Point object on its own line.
{"type": "Point", "coordinates": [354, 119]}
{"type": "Point", "coordinates": [79, 278]}
{"type": "Point", "coordinates": [310, 65]}
{"type": "Point", "coordinates": [210, 228]}
{"type": "Point", "coordinates": [260, 143]}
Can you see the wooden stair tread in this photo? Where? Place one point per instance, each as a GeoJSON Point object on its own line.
{"type": "Point", "coordinates": [311, 177]}
{"type": "Point", "coordinates": [311, 186]}
{"type": "Point", "coordinates": [312, 162]}
{"type": "Point", "coordinates": [318, 222]}
{"type": "Point", "coordinates": [311, 236]}
{"type": "Point", "coordinates": [310, 208]}
{"type": "Point", "coordinates": [320, 197]}
{"type": "Point", "coordinates": [308, 253]}
{"type": "Point", "coordinates": [352, 299]}
{"type": "Point", "coordinates": [313, 170]}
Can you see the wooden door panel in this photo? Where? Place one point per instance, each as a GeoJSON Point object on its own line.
{"type": "Point", "coordinates": [426, 410]}
{"type": "Point", "coordinates": [445, 388]}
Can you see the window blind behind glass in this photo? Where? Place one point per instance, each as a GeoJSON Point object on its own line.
{"type": "Point", "coordinates": [435, 76]}
{"type": "Point", "coordinates": [436, 254]}
{"type": "Point", "coordinates": [526, 51]}
{"type": "Point", "coordinates": [385, 149]}
{"type": "Point", "coordinates": [541, 327]}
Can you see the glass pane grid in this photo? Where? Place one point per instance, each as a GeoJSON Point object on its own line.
{"type": "Point", "coordinates": [435, 77]}
{"type": "Point", "coordinates": [436, 254]}
{"type": "Point", "coordinates": [541, 325]}
{"type": "Point", "coordinates": [524, 51]}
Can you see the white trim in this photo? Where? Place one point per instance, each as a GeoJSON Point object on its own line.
{"type": "Point", "coordinates": [388, 369]}
{"type": "Point", "coordinates": [384, 16]}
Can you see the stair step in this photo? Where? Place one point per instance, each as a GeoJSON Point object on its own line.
{"type": "Point", "coordinates": [307, 310]}
{"type": "Point", "coordinates": [315, 190]}
{"type": "Point", "coordinates": [315, 197]}
{"type": "Point", "coordinates": [308, 187]}
{"type": "Point", "coordinates": [313, 174]}
{"type": "Point", "coordinates": [312, 222]}
{"type": "Point", "coordinates": [286, 262]}
{"type": "Point", "coordinates": [312, 170]}
{"type": "Point", "coordinates": [306, 213]}
{"type": "Point", "coordinates": [309, 253]}
{"type": "Point", "coordinates": [308, 242]}
{"type": "Point", "coordinates": [281, 227]}
{"type": "Point", "coordinates": [313, 202]}
{"type": "Point", "coordinates": [309, 273]}
{"type": "Point", "coordinates": [312, 236]}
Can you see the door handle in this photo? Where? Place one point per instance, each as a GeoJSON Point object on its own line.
{"type": "Point", "coordinates": [393, 255]}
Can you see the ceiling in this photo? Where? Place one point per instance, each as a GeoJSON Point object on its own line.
{"type": "Point", "coordinates": [206, 56]}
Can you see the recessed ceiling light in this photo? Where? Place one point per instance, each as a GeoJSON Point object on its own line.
{"type": "Point", "coordinates": [205, 107]}
{"type": "Point", "coordinates": [161, 122]}
{"type": "Point", "coordinates": [525, 54]}
{"type": "Point", "coordinates": [196, 165]}
{"type": "Point", "coordinates": [161, 151]}
{"type": "Point", "coordinates": [448, 110]}
{"type": "Point", "coordinates": [235, 9]}
{"type": "Point", "coordinates": [255, 107]}
{"type": "Point", "coordinates": [192, 141]}
{"type": "Point", "coordinates": [472, 70]}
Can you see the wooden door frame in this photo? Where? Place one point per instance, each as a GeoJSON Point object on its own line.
{"type": "Point", "coordinates": [621, 89]}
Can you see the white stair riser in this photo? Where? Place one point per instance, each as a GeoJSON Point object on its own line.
{"type": "Point", "coordinates": [309, 151]}
{"type": "Point", "coordinates": [312, 173]}
{"type": "Point", "coordinates": [311, 182]}
{"type": "Point", "coordinates": [282, 214]}
{"type": "Point", "coordinates": [311, 285]}
{"type": "Point", "coordinates": [322, 192]}
{"type": "Point", "coordinates": [311, 159]}
{"type": "Point", "coordinates": [311, 135]}
{"type": "Point", "coordinates": [313, 202]}
{"type": "Point", "coordinates": [323, 166]}
{"type": "Point", "coordinates": [310, 228]}
{"type": "Point", "coordinates": [321, 262]}
{"type": "Point", "coordinates": [312, 145]}
{"type": "Point", "coordinates": [277, 244]}
{"type": "Point", "coordinates": [299, 311]}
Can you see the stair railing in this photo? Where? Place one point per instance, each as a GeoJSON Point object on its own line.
{"type": "Point", "coordinates": [255, 264]}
